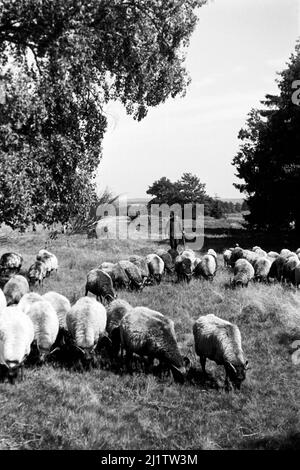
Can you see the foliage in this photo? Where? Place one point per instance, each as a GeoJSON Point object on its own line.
{"type": "Point", "coordinates": [189, 189]}
{"type": "Point", "coordinates": [269, 161]}
{"type": "Point", "coordinates": [62, 61]}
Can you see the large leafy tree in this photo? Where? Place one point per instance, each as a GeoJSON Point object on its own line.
{"type": "Point", "coordinates": [188, 189]}
{"type": "Point", "coordinates": [62, 61]}
{"type": "Point", "coordinates": [269, 157]}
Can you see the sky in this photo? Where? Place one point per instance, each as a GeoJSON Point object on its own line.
{"type": "Point", "coordinates": [234, 54]}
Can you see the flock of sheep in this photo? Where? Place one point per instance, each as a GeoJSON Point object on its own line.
{"type": "Point", "coordinates": [34, 327]}
{"type": "Point", "coordinates": [258, 265]}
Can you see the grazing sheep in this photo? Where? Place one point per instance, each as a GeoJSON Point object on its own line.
{"type": "Point", "coordinates": [15, 288]}
{"type": "Point", "coordinates": [117, 274]}
{"type": "Point", "coordinates": [16, 336]}
{"type": "Point", "coordinates": [49, 259]}
{"type": "Point", "coordinates": [141, 263]}
{"type": "Point", "coordinates": [27, 300]}
{"type": "Point", "coordinates": [167, 259]}
{"type": "Point", "coordinates": [250, 256]}
{"type": "Point", "coordinates": [10, 263]}
{"type": "Point", "coordinates": [173, 253]}
{"type": "Point", "coordinates": [227, 257]}
{"type": "Point", "coordinates": [276, 270]}
{"type": "Point", "coordinates": [133, 273]}
{"type": "Point", "coordinates": [2, 300]}
{"type": "Point", "coordinates": [100, 284]}
{"type": "Point", "coordinates": [207, 268]}
{"type": "Point", "coordinates": [156, 267]}
{"type": "Point", "coordinates": [189, 254]}
{"type": "Point", "coordinates": [288, 272]}
{"type": "Point", "coordinates": [61, 305]}
{"type": "Point", "coordinates": [184, 268]}
{"type": "Point", "coordinates": [262, 266]}
{"type": "Point", "coordinates": [86, 322]}
{"type": "Point", "coordinates": [243, 273]}
{"type": "Point", "coordinates": [149, 333]}
{"type": "Point", "coordinates": [220, 341]}
{"type": "Point", "coordinates": [236, 253]}
{"type": "Point", "coordinates": [46, 326]}
{"type": "Point", "coordinates": [37, 272]}
{"type": "Point", "coordinates": [115, 312]}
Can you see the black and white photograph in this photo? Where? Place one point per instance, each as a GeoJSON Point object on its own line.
{"type": "Point", "coordinates": [149, 228]}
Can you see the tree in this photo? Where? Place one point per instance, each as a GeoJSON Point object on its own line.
{"type": "Point", "coordinates": [70, 57]}
{"type": "Point", "coordinates": [269, 158]}
{"type": "Point", "coordinates": [188, 189]}
{"type": "Point", "coordinates": [217, 209]}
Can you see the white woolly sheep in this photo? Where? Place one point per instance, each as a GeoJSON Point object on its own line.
{"type": "Point", "coordinates": [285, 252]}
{"type": "Point", "coordinates": [16, 336]}
{"type": "Point", "coordinates": [262, 268]}
{"type": "Point", "coordinates": [243, 273]}
{"type": "Point", "coordinates": [220, 341]}
{"type": "Point", "coordinates": [15, 288]}
{"type": "Point", "coordinates": [61, 305]}
{"type": "Point", "coordinates": [227, 257]}
{"type": "Point", "coordinates": [86, 322]}
{"type": "Point", "coordinates": [149, 333]}
{"type": "Point", "coordinates": [27, 300]}
{"type": "Point", "coordinates": [46, 326]}
{"type": "Point", "coordinates": [207, 268]}
{"type": "Point", "coordinates": [141, 263]}
{"type": "Point", "coordinates": [156, 267]}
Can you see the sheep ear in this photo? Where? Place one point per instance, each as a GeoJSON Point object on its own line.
{"type": "Point", "coordinates": [246, 366]}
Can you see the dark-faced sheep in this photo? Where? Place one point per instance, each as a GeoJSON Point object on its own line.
{"type": "Point", "coordinates": [115, 312]}
{"type": "Point", "coordinates": [220, 341]}
{"type": "Point", "coordinates": [184, 269]}
{"type": "Point", "coordinates": [149, 333]}
{"type": "Point", "coordinates": [156, 267]}
{"type": "Point", "coordinates": [141, 263]}
{"type": "Point", "coordinates": [37, 272]}
{"type": "Point", "coordinates": [167, 259]}
{"type": "Point", "coordinates": [10, 263]}
{"type": "Point", "coordinates": [100, 284]}
{"type": "Point", "coordinates": [117, 274]}
{"type": "Point", "coordinates": [133, 273]}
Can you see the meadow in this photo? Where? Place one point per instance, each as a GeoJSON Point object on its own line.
{"type": "Point", "coordinates": [58, 408]}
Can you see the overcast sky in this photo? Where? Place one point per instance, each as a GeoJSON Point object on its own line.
{"type": "Point", "coordinates": [234, 54]}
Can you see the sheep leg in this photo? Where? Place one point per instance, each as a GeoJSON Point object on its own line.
{"type": "Point", "coordinates": [203, 362]}
{"type": "Point", "coordinates": [227, 383]}
{"type": "Point", "coordinates": [128, 361]}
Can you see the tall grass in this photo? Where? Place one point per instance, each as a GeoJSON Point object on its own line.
{"type": "Point", "coordinates": [56, 408]}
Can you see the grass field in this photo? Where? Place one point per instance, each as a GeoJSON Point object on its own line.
{"type": "Point", "coordinates": [56, 408]}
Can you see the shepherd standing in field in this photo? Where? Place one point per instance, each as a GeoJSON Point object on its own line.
{"type": "Point", "coordinates": [175, 231]}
